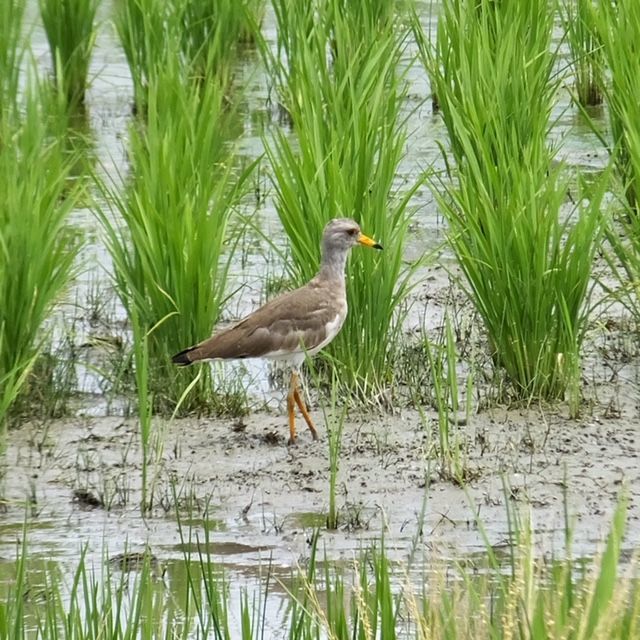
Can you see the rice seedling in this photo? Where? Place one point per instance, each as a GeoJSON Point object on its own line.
{"type": "Point", "coordinates": [616, 24]}
{"type": "Point", "coordinates": [96, 601]}
{"type": "Point", "coordinates": [250, 28]}
{"type": "Point", "coordinates": [171, 258]}
{"type": "Point", "coordinates": [536, 599]}
{"type": "Point", "coordinates": [145, 402]}
{"type": "Point", "coordinates": [212, 32]}
{"type": "Point", "coordinates": [442, 358]}
{"type": "Point", "coordinates": [207, 590]}
{"type": "Point", "coordinates": [52, 379]}
{"type": "Point", "coordinates": [618, 28]}
{"type": "Point", "coordinates": [148, 33]}
{"type": "Point", "coordinates": [578, 18]}
{"type": "Point", "coordinates": [12, 48]}
{"type": "Point", "coordinates": [334, 419]}
{"type": "Point", "coordinates": [623, 257]}
{"type": "Point", "coordinates": [526, 260]}
{"type": "Point", "coordinates": [203, 37]}
{"type": "Point", "coordinates": [350, 136]}
{"type": "Point", "coordinates": [70, 29]}
{"type": "Point", "coordinates": [37, 249]}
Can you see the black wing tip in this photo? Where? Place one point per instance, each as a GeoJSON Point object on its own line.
{"type": "Point", "coordinates": [182, 359]}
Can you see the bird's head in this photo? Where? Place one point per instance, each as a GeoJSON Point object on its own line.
{"type": "Point", "coordinates": [341, 234]}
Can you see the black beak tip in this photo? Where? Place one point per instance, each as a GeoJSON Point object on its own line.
{"type": "Point", "coordinates": [378, 246]}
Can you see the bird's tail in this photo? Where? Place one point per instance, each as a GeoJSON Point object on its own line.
{"type": "Point", "coordinates": [183, 358]}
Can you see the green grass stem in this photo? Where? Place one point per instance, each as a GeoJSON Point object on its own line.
{"type": "Point", "coordinates": [12, 50]}
{"type": "Point", "coordinates": [71, 32]}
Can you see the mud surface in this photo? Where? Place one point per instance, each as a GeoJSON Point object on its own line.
{"type": "Point", "coordinates": [79, 482]}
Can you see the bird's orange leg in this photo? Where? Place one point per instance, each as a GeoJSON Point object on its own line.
{"type": "Point", "coordinates": [291, 407]}
{"type": "Point", "coordinates": [303, 408]}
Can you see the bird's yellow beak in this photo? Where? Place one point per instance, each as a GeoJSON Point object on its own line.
{"type": "Point", "coordinates": [368, 242]}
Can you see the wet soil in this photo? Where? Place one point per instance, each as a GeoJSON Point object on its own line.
{"type": "Point", "coordinates": [78, 481]}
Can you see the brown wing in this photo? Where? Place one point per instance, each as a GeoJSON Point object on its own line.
{"type": "Point", "coordinates": [285, 323]}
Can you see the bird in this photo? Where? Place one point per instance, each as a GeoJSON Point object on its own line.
{"type": "Point", "coordinates": [295, 324]}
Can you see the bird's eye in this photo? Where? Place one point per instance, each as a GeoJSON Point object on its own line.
{"type": "Point", "coordinates": [353, 232]}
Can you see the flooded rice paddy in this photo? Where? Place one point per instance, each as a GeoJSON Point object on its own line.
{"type": "Point", "coordinates": [75, 483]}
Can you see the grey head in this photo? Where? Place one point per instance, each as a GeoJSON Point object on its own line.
{"type": "Point", "coordinates": [338, 237]}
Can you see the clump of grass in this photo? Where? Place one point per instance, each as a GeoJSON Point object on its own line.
{"type": "Point", "coordinates": [203, 37]}
{"type": "Point", "coordinates": [579, 20]}
{"type": "Point", "coordinates": [536, 599]}
{"type": "Point", "coordinates": [212, 32]}
{"type": "Point", "coordinates": [37, 249]}
{"type": "Point", "coordinates": [623, 257]}
{"type": "Point", "coordinates": [12, 48]}
{"type": "Point", "coordinates": [249, 32]}
{"type": "Point", "coordinates": [344, 95]}
{"type": "Point", "coordinates": [442, 359]}
{"type": "Point", "coordinates": [147, 34]}
{"type": "Point", "coordinates": [526, 260]}
{"type": "Point", "coordinates": [618, 26]}
{"type": "Point", "coordinates": [172, 256]}
{"type": "Point", "coordinates": [70, 29]}
{"type": "Point", "coordinates": [49, 385]}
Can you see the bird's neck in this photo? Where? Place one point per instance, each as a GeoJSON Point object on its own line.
{"type": "Point", "coordinates": [333, 266]}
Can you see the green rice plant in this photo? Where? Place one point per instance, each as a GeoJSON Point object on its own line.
{"type": "Point", "coordinates": [579, 20]}
{"type": "Point", "coordinates": [616, 24]}
{"type": "Point", "coordinates": [50, 384]}
{"type": "Point", "coordinates": [250, 28]}
{"type": "Point", "coordinates": [12, 48]}
{"type": "Point", "coordinates": [349, 140]}
{"type": "Point", "coordinates": [37, 249]}
{"type": "Point", "coordinates": [555, 599]}
{"type": "Point", "coordinates": [442, 358]}
{"type": "Point", "coordinates": [526, 260]}
{"type": "Point", "coordinates": [149, 35]}
{"type": "Point", "coordinates": [618, 28]}
{"type": "Point", "coordinates": [203, 37]}
{"type": "Point", "coordinates": [212, 32]}
{"type": "Point", "coordinates": [172, 255]}
{"type": "Point", "coordinates": [334, 418]}
{"type": "Point", "coordinates": [70, 29]}
{"type": "Point", "coordinates": [366, 21]}
{"type": "Point", "coordinates": [623, 257]}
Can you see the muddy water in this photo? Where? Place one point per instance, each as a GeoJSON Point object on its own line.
{"type": "Point", "coordinates": [259, 499]}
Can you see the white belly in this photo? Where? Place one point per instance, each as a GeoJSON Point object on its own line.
{"type": "Point", "coordinates": [332, 329]}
